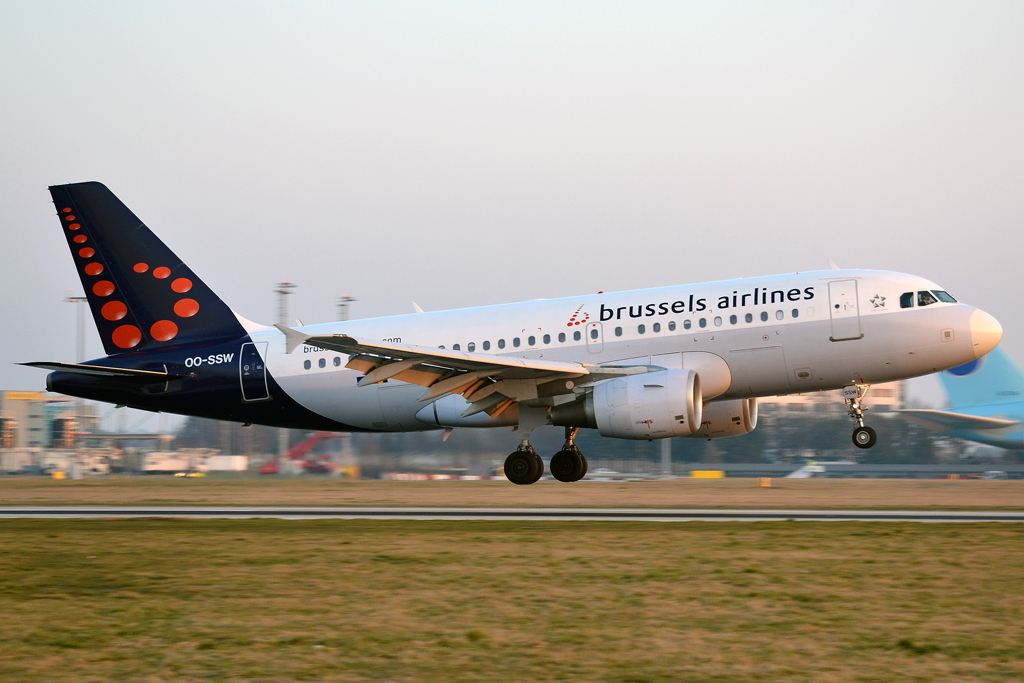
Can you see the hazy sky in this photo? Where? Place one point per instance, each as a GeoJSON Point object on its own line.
{"type": "Point", "coordinates": [465, 154]}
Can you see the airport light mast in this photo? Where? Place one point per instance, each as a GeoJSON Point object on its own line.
{"type": "Point", "coordinates": [344, 301]}
{"type": "Point", "coordinates": [284, 288]}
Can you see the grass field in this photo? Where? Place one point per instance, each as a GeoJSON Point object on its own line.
{"type": "Point", "coordinates": [672, 493]}
{"type": "Point", "coordinates": [269, 600]}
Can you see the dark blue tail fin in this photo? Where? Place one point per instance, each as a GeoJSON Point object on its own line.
{"type": "Point", "coordinates": [141, 295]}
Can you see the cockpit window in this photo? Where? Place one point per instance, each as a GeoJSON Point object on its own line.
{"type": "Point", "coordinates": [944, 297]}
{"type": "Point", "coordinates": [907, 300]}
{"type": "Point", "coordinates": [926, 299]}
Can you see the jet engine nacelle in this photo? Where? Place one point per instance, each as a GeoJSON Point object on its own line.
{"type": "Point", "coordinates": [727, 418]}
{"type": "Point", "coordinates": [654, 405]}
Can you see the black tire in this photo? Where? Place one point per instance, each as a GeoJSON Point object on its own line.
{"type": "Point", "coordinates": [520, 468]}
{"type": "Point", "coordinates": [864, 437]}
{"type": "Point", "coordinates": [566, 466]}
{"type": "Point", "coordinates": [583, 473]}
{"type": "Point", "coordinates": [539, 471]}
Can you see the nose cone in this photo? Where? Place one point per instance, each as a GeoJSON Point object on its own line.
{"type": "Point", "coordinates": [985, 333]}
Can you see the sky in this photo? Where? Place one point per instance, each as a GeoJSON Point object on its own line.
{"type": "Point", "coordinates": [461, 154]}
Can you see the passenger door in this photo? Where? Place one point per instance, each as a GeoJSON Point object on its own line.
{"type": "Point", "coordinates": [844, 310]}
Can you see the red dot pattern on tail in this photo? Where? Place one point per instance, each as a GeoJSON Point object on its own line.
{"type": "Point", "coordinates": [141, 267]}
{"type": "Point", "coordinates": [163, 330]}
{"type": "Point", "coordinates": [86, 252]}
{"type": "Point", "coordinates": [186, 308]}
{"type": "Point", "coordinates": [114, 310]}
{"type": "Point", "coordinates": [103, 288]}
{"type": "Point", "coordinates": [181, 285]}
{"type": "Point", "coordinates": [126, 336]}
{"type": "Point", "coordinates": [161, 273]}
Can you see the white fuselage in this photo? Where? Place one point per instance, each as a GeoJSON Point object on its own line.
{"type": "Point", "coordinates": [748, 337]}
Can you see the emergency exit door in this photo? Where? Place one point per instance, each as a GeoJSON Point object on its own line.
{"type": "Point", "coordinates": [253, 372]}
{"type": "Point", "coordinates": [844, 310]}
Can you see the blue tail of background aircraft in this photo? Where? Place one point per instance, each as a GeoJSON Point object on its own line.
{"type": "Point", "coordinates": [990, 380]}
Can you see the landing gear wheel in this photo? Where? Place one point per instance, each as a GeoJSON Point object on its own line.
{"type": "Point", "coordinates": [521, 467]}
{"type": "Point", "coordinates": [583, 473]}
{"type": "Point", "coordinates": [539, 471]}
{"type": "Point", "coordinates": [567, 465]}
{"type": "Point", "coordinates": [864, 437]}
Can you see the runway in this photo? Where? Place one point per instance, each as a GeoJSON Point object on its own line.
{"type": "Point", "coordinates": [508, 514]}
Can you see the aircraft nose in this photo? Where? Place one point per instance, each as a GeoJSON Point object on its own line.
{"type": "Point", "coordinates": [985, 332]}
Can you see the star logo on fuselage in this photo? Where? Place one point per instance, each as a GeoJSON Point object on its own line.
{"type": "Point", "coordinates": [878, 301]}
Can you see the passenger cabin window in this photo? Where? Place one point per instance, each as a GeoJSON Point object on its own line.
{"type": "Point", "coordinates": [907, 300]}
{"type": "Point", "coordinates": [687, 324]}
{"type": "Point", "coordinates": [561, 337]}
{"type": "Point", "coordinates": [749, 317]}
{"type": "Point", "coordinates": [576, 335]}
{"type": "Point", "coordinates": [501, 343]}
{"type": "Point", "coordinates": [593, 333]}
{"type": "Point", "coordinates": [796, 312]}
{"type": "Point", "coordinates": [718, 321]}
{"type": "Point", "coordinates": [547, 338]}
{"type": "Point", "coordinates": [656, 327]}
{"type": "Point", "coordinates": [944, 297]}
{"type": "Point", "coordinates": [307, 365]}
{"type": "Point", "coordinates": [487, 346]}
{"type": "Point", "coordinates": [337, 361]}
{"type": "Point", "coordinates": [641, 329]}
{"type": "Point", "coordinates": [764, 316]}
{"type": "Point", "coordinates": [618, 332]}
{"type": "Point", "coordinates": [471, 346]}
{"type": "Point", "coordinates": [926, 299]}
{"type": "Point", "coordinates": [672, 326]}
{"type": "Point", "coordinates": [531, 340]}
{"type": "Point", "coordinates": [456, 347]}
{"type": "Point", "coordinates": [732, 320]}
{"type": "Point", "coordinates": [515, 342]}
{"type": "Point", "coordinates": [703, 322]}
{"type": "Point", "coordinates": [779, 315]}
{"type": "Point", "coordinates": [323, 363]}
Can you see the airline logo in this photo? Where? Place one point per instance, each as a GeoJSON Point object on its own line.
{"type": "Point", "coordinates": [580, 317]}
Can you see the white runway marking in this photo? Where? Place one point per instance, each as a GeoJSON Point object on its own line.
{"type": "Point", "coordinates": [535, 514]}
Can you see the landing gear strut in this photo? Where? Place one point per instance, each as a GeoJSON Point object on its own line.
{"type": "Point", "coordinates": [863, 437]}
{"type": "Point", "coordinates": [524, 466]}
{"type": "Point", "coordinates": [569, 464]}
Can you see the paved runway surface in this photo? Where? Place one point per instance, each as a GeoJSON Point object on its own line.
{"type": "Point", "coordinates": [523, 514]}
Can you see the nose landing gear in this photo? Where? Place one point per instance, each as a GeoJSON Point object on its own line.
{"type": "Point", "coordinates": [863, 436]}
{"type": "Point", "coordinates": [569, 464]}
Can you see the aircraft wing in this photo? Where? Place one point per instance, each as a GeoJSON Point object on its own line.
{"type": "Point", "coordinates": [489, 382]}
{"type": "Point", "coordinates": [945, 421]}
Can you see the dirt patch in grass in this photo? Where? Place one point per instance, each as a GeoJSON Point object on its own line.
{"type": "Point", "coordinates": [162, 600]}
{"type": "Point", "coordinates": [672, 493]}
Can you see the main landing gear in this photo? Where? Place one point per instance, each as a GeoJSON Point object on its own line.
{"type": "Point", "coordinates": [524, 466]}
{"type": "Point", "coordinates": [863, 437]}
{"type": "Point", "coordinates": [569, 464]}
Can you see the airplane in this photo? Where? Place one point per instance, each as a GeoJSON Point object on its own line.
{"type": "Point", "coordinates": [678, 361]}
{"type": "Point", "coordinates": [986, 398]}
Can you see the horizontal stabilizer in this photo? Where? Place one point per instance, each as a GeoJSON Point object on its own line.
{"type": "Point", "coordinates": [141, 376]}
{"type": "Point", "coordinates": [945, 421]}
